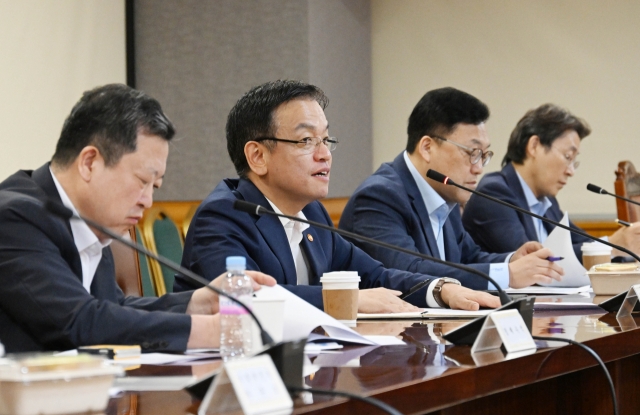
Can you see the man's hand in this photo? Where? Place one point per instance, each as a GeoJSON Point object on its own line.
{"type": "Point", "coordinates": [628, 237]}
{"type": "Point", "coordinates": [526, 249]}
{"type": "Point", "coordinates": [382, 300]}
{"type": "Point", "coordinates": [205, 301]}
{"type": "Point", "coordinates": [534, 269]}
{"type": "Point", "coordinates": [463, 298]}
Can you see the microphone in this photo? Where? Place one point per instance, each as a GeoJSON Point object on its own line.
{"type": "Point", "coordinates": [441, 178]}
{"type": "Point", "coordinates": [597, 189]}
{"type": "Point", "coordinates": [258, 210]}
{"type": "Point", "coordinates": [464, 335]}
{"type": "Point", "coordinates": [66, 213]}
{"type": "Point", "coordinates": [288, 357]}
{"type": "Point", "coordinates": [611, 304]}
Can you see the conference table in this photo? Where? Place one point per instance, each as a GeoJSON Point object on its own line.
{"type": "Point", "coordinates": [429, 376]}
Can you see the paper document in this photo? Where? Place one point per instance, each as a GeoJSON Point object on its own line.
{"type": "Point", "coordinates": [300, 318]}
{"type": "Point", "coordinates": [559, 304]}
{"type": "Point", "coordinates": [426, 313]}
{"type": "Point", "coordinates": [536, 289]}
{"type": "Point", "coordinates": [559, 242]}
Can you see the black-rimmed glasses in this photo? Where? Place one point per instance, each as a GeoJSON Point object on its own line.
{"type": "Point", "coordinates": [308, 144]}
{"type": "Point", "coordinates": [475, 154]}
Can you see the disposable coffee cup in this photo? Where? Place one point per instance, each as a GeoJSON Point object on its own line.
{"type": "Point", "coordinates": [270, 312]}
{"type": "Point", "coordinates": [595, 253]}
{"type": "Point", "coordinates": [340, 295]}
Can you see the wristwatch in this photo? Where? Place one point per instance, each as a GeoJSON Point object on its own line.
{"type": "Point", "coordinates": [437, 290]}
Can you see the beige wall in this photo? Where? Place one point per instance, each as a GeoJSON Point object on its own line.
{"type": "Point", "coordinates": [515, 55]}
{"type": "Point", "coordinates": [51, 52]}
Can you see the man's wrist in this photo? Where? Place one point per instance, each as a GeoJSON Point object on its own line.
{"type": "Point", "coordinates": [437, 290]}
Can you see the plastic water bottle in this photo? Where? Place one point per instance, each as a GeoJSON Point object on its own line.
{"type": "Point", "coordinates": [235, 321]}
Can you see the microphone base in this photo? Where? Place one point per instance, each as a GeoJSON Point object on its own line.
{"type": "Point", "coordinates": [466, 335]}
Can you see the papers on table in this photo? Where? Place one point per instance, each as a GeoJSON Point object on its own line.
{"type": "Point", "coordinates": [559, 242]}
{"type": "Point", "coordinates": [300, 318]}
{"type": "Point", "coordinates": [427, 313]}
{"type": "Point", "coordinates": [535, 289]}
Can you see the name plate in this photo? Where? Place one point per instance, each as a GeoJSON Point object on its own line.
{"type": "Point", "coordinates": [252, 385]}
{"type": "Point", "coordinates": [506, 328]}
{"type": "Point", "coordinates": [629, 302]}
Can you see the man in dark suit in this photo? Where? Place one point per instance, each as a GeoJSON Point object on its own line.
{"type": "Point", "coordinates": [541, 157]}
{"type": "Point", "coordinates": [57, 281]}
{"type": "Point", "coordinates": [399, 205]}
{"type": "Point", "coordinates": [278, 140]}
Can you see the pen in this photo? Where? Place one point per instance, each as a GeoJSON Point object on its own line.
{"type": "Point", "coordinates": [415, 288]}
{"type": "Point", "coordinates": [622, 222]}
{"type": "Point", "coordinates": [554, 258]}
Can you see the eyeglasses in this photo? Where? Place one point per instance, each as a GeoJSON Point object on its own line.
{"type": "Point", "coordinates": [306, 145]}
{"type": "Point", "coordinates": [569, 159]}
{"type": "Point", "coordinates": [475, 154]}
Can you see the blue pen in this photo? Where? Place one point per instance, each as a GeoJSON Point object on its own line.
{"type": "Point", "coordinates": [554, 258]}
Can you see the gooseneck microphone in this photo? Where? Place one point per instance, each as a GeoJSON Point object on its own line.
{"type": "Point", "coordinates": [65, 213]}
{"type": "Point", "coordinates": [258, 210]}
{"type": "Point", "coordinates": [597, 189]}
{"type": "Point", "coordinates": [441, 178]}
{"type": "Point", "coordinates": [465, 334]}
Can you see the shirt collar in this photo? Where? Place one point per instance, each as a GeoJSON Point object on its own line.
{"type": "Point", "coordinates": [83, 236]}
{"type": "Point", "coordinates": [534, 203]}
{"type": "Point", "coordinates": [432, 200]}
{"type": "Point", "coordinates": [285, 221]}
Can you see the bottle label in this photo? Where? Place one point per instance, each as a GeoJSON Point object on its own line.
{"type": "Point", "coordinates": [229, 307]}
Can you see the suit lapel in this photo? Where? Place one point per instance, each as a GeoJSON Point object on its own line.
{"type": "Point", "coordinates": [271, 230]}
{"type": "Point", "coordinates": [42, 177]}
{"type": "Point", "coordinates": [521, 200]}
{"type": "Point", "coordinates": [417, 204]}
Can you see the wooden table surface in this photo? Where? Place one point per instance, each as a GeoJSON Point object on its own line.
{"type": "Point", "coordinates": [427, 375]}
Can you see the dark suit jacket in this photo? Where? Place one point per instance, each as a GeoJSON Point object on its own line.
{"type": "Point", "coordinates": [218, 231]}
{"type": "Point", "coordinates": [498, 228]}
{"type": "Point", "coordinates": [43, 305]}
{"type": "Point", "coordinates": [388, 206]}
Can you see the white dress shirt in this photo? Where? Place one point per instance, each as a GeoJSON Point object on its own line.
{"type": "Point", "coordinates": [294, 230]}
{"type": "Point", "coordinates": [88, 245]}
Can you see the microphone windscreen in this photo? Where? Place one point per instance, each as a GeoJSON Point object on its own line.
{"type": "Point", "coordinates": [247, 207]}
{"type": "Point", "coordinates": [58, 209]}
{"type": "Point", "coordinates": [438, 177]}
{"type": "Point", "coordinates": [596, 189]}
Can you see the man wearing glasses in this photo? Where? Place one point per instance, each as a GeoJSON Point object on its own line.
{"type": "Point", "coordinates": [278, 139]}
{"type": "Point", "coordinates": [541, 157]}
{"type": "Point", "coordinates": [399, 205]}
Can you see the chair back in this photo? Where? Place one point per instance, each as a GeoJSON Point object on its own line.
{"type": "Point", "coordinates": [162, 236]}
{"type": "Point", "coordinates": [148, 288]}
{"type": "Point", "coordinates": [187, 220]}
{"type": "Point", "coordinates": [627, 184]}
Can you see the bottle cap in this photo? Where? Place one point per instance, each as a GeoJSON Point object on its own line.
{"type": "Point", "coordinates": [236, 262]}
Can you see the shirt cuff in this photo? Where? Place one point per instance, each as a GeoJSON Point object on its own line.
{"type": "Point", "coordinates": [431, 302]}
{"type": "Point", "coordinates": [500, 274]}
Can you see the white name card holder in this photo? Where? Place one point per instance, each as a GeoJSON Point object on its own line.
{"type": "Point", "coordinates": [250, 385]}
{"type": "Point", "coordinates": [504, 328]}
{"type": "Point", "coordinates": [629, 302]}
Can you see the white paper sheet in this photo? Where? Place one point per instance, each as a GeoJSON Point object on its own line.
{"type": "Point", "coordinates": [426, 313]}
{"type": "Point", "coordinates": [300, 318]}
{"type": "Point", "coordinates": [535, 289]}
{"type": "Point", "coordinates": [559, 242]}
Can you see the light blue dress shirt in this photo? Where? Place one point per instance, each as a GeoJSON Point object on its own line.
{"type": "Point", "coordinates": [537, 206]}
{"type": "Point", "coordinates": [439, 211]}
